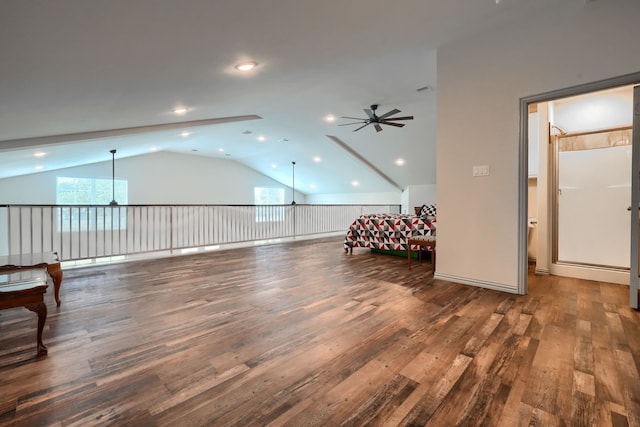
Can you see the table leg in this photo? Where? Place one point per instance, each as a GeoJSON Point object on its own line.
{"type": "Point", "coordinates": [40, 308]}
{"type": "Point", "coordinates": [433, 258]}
{"type": "Point", "coordinates": [55, 272]}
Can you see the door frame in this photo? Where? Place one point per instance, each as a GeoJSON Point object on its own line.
{"type": "Point", "coordinates": [523, 158]}
{"type": "Point", "coordinates": [635, 201]}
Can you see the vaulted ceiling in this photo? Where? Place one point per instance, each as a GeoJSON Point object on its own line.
{"type": "Point", "coordinates": [81, 77]}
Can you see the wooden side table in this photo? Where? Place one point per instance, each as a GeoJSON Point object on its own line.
{"type": "Point", "coordinates": [422, 242]}
{"type": "Point", "coordinates": [26, 289]}
{"type": "Point", "coordinates": [49, 260]}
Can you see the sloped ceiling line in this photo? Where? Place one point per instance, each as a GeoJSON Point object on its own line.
{"type": "Point", "coordinates": [10, 144]}
{"type": "Point", "coordinates": [359, 157]}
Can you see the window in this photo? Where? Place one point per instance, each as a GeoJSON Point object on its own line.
{"type": "Point", "coordinates": [90, 191]}
{"type": "Point", "coordinates": [269, 203]}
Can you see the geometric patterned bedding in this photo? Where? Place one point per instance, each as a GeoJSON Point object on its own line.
{"type": "Point", "coordinates": [388, 231]}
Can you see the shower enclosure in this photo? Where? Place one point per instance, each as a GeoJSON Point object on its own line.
{"type": "Point", "coordinates": [592, 183]}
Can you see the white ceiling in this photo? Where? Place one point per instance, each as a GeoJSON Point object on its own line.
{"type": "Point", "coordinates": [72, 68]}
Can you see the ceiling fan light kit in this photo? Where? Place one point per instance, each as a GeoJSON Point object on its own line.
{"type": "Point", "coordinates": [373, 118]}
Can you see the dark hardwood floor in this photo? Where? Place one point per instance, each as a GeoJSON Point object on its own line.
{"type": "Point", "coordinates": [302, 334]}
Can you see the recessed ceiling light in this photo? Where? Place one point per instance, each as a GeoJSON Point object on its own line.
{"type": "Point", "coordinates": [246, 66]}
{"type": "Point", "coordinates": [317, 159]}
{"type": "Point", "coordinates": [39, 154]}
{"type": "Point", "coordinates": [185, 134]}
{"type": "Point", "coordinates": [38, 167]}
{"type": "Point", "coordinates": [312, 186]}
{"type": "Point", "coordinates": [273, 165]}
{"type": "Point", "coordinates": [329, 118]}
{"type": "Point", "coordinates": [355, 183]}
{"type": "Point", "coordinates": [180, 110]}
{"type": "Point", "coordinates": [399, 162]}
{"type": "Point", "coordinates": [221, 150]}
{"type": "Point", "coordinates": [153, 149]}
{"type": "Point", "coordinates": [261, 138]}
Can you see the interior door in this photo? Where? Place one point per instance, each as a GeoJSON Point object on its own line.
{"type": "Point", "coordinates": [635, 201]}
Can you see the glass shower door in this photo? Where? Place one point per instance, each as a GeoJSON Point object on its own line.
{"type": "Point", "coordinates": [593, 189]}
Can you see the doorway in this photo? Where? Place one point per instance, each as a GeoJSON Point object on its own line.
{"type": "Point", "coordinates": [547, 237]}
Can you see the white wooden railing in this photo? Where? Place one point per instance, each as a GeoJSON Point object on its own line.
{"type": "Point", "coordinates": [80, 232]}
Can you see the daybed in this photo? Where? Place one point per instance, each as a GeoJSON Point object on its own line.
{"type": "Point", "coordinates": [390, 231]}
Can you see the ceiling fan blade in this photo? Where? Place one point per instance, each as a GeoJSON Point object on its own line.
{"type": "Point", "coordinates": [361, 127]}
{"type": "Point", "coordinates": [377, 121]}
{"type": "Point", "coordinates": [390, 113]}
{"type": "Point", "coordinates": [400, 118]}
{"type": "Point", "coordinates": [354, 123]}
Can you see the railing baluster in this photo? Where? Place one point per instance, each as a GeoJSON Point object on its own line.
{"type": "Point", "coordinates": [140, 229]}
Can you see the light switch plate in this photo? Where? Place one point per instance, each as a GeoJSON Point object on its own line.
{"type": "Point", "coordinates": [481, 170]}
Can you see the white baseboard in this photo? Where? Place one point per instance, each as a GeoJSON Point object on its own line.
{"type": "Point", "coordinates": [477, 283]}
{"type": "Point", "coordinates": [586, 272]}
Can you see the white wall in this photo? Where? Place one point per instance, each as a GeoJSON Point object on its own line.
{"type": "Point", "coordinates": [418, 195]}
{"type": "Point", "coordinates": [404, 201]}
{"type": "Point", "coordinates": [543, 205]}
{"type": "Point", "coordinates": [480, 82]}
{"type": "Point", "coordinates": [173, 178]}
{"type": "Point", "coordinates": [603, 110]}
{"type": "Point", "coordinates": [158, 178]}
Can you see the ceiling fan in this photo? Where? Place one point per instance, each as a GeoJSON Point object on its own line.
{"type": "Point", "coordinates": [384, 119]}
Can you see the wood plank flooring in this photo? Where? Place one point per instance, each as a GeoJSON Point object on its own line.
{"type": "Point", "coordinates": [302, 334]}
